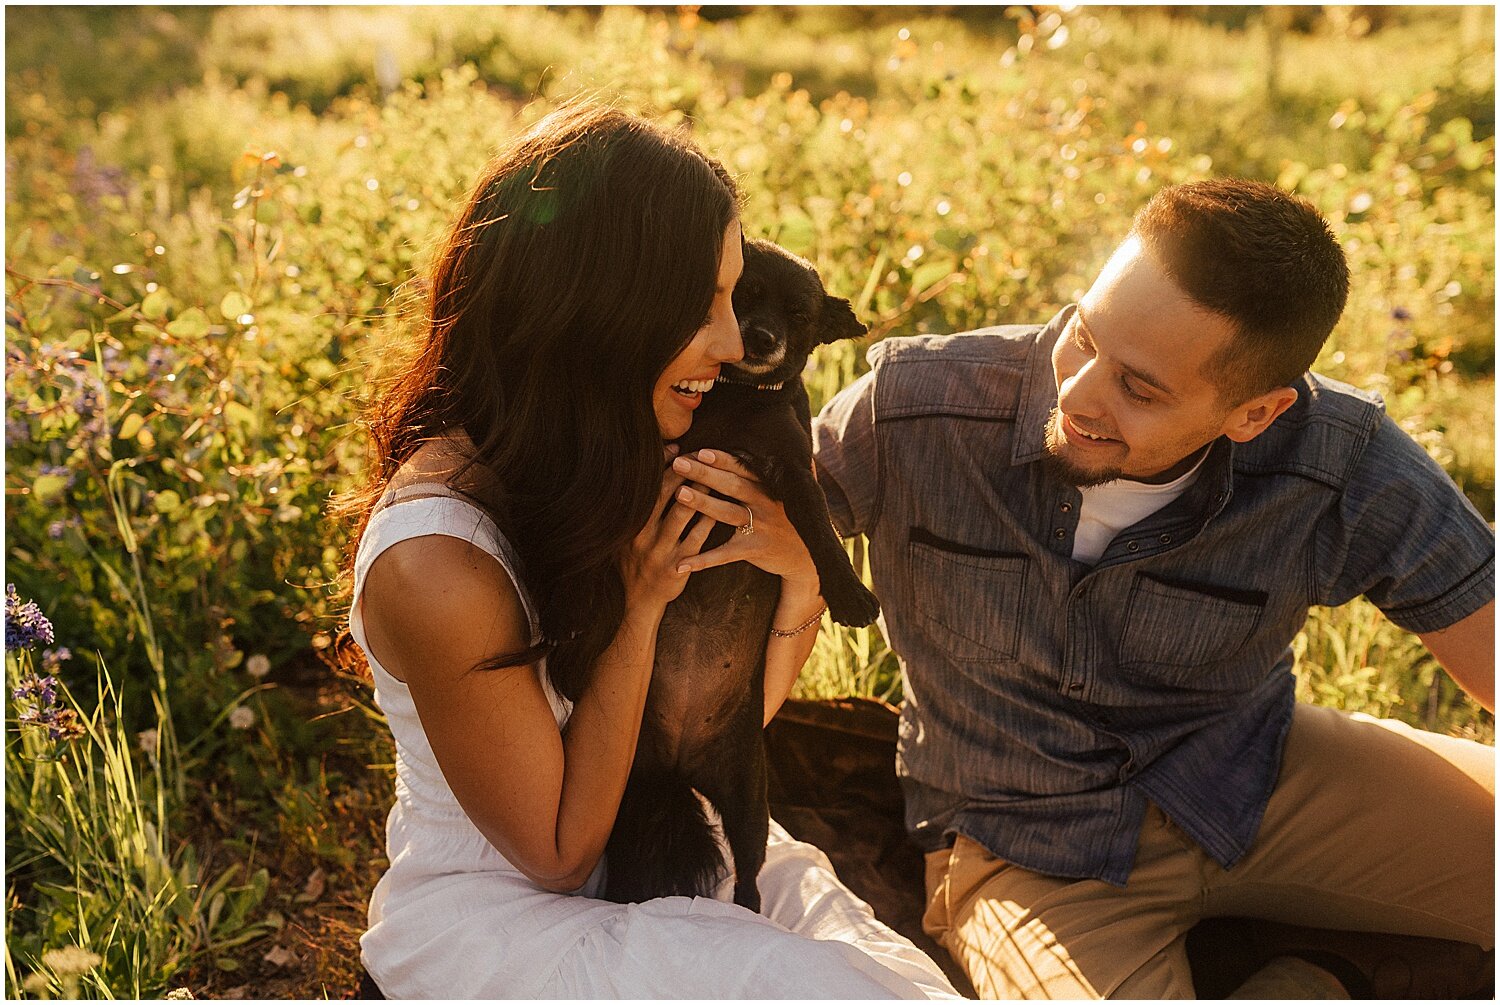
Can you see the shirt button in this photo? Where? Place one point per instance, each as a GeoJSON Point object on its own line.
{"type": "Point", "coordinates": [1066, 507]}
{"type": "Point", "coordinates": [1077, 685]}
{"type": "Point", "coordinates": [1133, 546]}
{"type": "Point", "coordinates": [1059, 533]}
{"type": "Point", "coordinates": [1165, 539]}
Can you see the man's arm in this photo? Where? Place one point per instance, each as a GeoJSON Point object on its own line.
{"type": "Point", "coordinates": [1467, 651]}
{"type": "Point", "coordinates": [845, 458]}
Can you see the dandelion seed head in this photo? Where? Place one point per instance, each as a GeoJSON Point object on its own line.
{"type": "Point", "coordinates": [243, 717]}
{"type": "Point", "coordinates": [258, 665]}
{"type": "Point", "coordinates": [71, 960]}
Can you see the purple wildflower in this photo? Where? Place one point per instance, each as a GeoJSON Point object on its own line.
{"type": "Point", "coordinates": [158, 361]}
{"type": "Point", "coordinates": [114, 362]}
{"type": "Point", "coordinates": [17, 429]}
{"type": "Point", "coordinates": [86, 401]}
{"type": "Point", "coordinates": [25, 625]}
{"type": "Point", "coordinates": [57, 528]}
{"type": "Point", "coordinates": [93, 181]}
{"type": "Point", "coordinates": [54, 658]}
{"type": "Point", "coordinates": [39, 689]}
{"type": "Point", "coordinates": [61, 471]}
{"type": "Point", "coordinates": [61, 723]}
{"type": "Point", "coordinates": [38, 697]}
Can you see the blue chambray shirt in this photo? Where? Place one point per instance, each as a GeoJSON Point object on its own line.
{"type": "Point", "coordinates": [1048, 700]}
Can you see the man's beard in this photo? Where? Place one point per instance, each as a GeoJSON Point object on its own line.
{"type": "Point", "coordinates": [1065, 469]}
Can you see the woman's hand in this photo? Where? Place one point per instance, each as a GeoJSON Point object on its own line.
{"type": "Point", "coordinates": [651, 566]}
{"type": "Point", "coordinates": [774, 546]}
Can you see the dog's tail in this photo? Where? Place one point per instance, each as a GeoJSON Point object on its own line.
{"type": "Point", "coordinates": [662, 844]}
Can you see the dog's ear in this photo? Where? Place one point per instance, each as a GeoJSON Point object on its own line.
{"type": "Point", "coordinates": [837, 321]}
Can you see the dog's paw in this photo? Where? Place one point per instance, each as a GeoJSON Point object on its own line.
{"type": "Point", "coordinates": [850, 603]}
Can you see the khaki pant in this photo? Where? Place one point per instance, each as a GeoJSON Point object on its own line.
{"type": "Point", "coordinates": [1373, 826]}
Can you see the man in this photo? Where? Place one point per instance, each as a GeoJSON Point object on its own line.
{"type": "Point", "coordinates": [1094, 542]}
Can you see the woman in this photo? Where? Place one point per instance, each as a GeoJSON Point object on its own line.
{"type": "Point", "coordinates": [524, 528]}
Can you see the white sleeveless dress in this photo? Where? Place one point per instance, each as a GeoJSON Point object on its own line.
{"type": "Point", "coordinates": [451, 918]}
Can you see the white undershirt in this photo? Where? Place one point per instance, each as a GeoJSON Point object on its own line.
{"type": "Point", "coordinates": [1109, 508]}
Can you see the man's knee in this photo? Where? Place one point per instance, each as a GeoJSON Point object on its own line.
{"type": "Point", "coordinates": [1020, 934]}
{"type": "Point", "coordinates": [1008, 954]}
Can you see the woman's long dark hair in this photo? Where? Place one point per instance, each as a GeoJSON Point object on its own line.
{"type": "Point", "coordinates": [583, 263]}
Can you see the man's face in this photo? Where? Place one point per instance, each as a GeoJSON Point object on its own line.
{"type": "Point", "coordinates": [1132, 398]}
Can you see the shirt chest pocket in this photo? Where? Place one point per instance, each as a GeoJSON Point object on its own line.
{"type": "Point", "coordinates": [967, 604]}
{"type": "Point", "coordinates": [1188, 637]}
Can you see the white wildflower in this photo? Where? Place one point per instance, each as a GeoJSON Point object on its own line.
{"type": "Point", "coordinates": [243, 717]}
{"type": "Point", "coordinates": [258, 665]}
{"type": "Point", "coordinates": [147, 739]}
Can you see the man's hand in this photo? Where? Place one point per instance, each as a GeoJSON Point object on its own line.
{"type": "Point", "coordinates": [1467, 651]}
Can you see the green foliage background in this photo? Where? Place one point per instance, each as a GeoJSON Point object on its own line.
{"type": "Point", "coordinates": [218, 220]}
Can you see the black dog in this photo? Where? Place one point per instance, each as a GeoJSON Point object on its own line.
{"type": "Point", "coordinates": [702, 724]}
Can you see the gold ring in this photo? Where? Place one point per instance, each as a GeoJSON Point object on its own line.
{"type": "Point", "coordinates": [748, 527]}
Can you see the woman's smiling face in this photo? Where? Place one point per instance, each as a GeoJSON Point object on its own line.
{"type": "Point", "coordinates": [691, 374]}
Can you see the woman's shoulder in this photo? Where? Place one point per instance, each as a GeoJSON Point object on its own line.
{"type": "Point", "coordinates": [443, 602]}
{"type": "Point", "coordinates": [443, 579]}
{"type": "Point", "coordinates": [439, 490]}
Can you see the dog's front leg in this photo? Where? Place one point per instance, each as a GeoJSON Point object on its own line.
{"type": "Point", "coordinates": [849, 601]}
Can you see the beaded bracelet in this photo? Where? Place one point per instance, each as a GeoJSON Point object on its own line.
{"type": "Point", "coordinates": [800, 628]}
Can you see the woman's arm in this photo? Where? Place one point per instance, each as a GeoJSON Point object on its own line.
{"type": "Point", "coordinates": [436, 607]}
{"type": "Point", "coordinates": [785, 657]}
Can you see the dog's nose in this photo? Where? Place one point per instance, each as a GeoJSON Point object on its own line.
{"type": "Point", "coordinates": [758, 341]}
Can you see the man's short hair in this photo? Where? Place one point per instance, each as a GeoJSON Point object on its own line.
{"type": "Point", "coordinates": [1262, 258]}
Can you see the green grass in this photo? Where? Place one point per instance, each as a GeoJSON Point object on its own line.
{"type": "Point", "coordinates": [215, 223]}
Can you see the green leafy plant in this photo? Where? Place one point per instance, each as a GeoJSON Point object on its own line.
{"type": "Point", "coordinates": [211, 253]}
